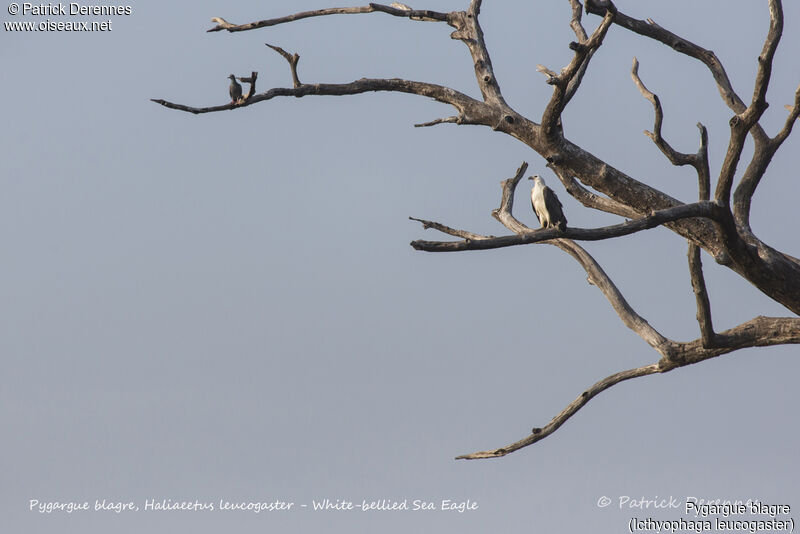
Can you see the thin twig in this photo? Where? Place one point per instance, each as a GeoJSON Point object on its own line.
{"type": "Point", "coordinates": [454, 119]}
{"type": "Point", "coordinates": [448, 230]}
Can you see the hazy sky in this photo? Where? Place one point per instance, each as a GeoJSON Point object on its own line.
{"type": "Point", "coordinates": [226, 307]}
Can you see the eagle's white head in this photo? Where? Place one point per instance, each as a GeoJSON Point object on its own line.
{"type": "Point", "coordinates": [538, 181]}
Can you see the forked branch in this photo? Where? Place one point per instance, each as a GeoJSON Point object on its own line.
{"type": "Point", "coordinates": [699, 160]}
{"type": "Point", "coordinates": [561, 82]}
{"type": "Point", "coordinates": [758, 332]}
{"type": "Point", "coordinates": [292, 59]}
{"type": "Point", "coordinates": [595, 273]}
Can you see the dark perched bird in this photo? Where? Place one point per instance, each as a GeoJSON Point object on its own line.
{"type": "Point", "coordinates": [546, 205]}
{"type": "Point", "coordinates": [235, 89]}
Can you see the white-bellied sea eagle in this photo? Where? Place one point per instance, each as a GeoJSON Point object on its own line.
{"type": "Point", "coordinates": [546, 205]}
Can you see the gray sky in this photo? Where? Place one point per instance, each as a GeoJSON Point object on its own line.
{"type": "Point", "coordinates": [225, 306]}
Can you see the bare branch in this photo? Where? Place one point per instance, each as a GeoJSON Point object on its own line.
{"type": "Point", "coordinates": [592, 200]}
{"type": "Point", "coordinates": [722, 193]}
{"type": "Point", "coordinates": [762, 157]}
{"type": "Point", "coordinates": [595, 274]}
{"type": "Point", "coordinates": [580, 34]}
{"type": "Point", "coordinates": [561, 83]}
{"type": "Point", "coordinates": [758, 332]}
{"type": "Point", "coordinates": [703, 171]}
{"type": "Point", "coordinates": [252, 90]}
{"type": "Point", "coordinates": [575, 22]}
{"type": "Point", "coordinates": [538, 434]}
{"type": "Point", "coordinates": [684, 211]}
{"type": "Point", "coordinates": [794, 112]}
{"type": "Point", "coordinates": [701, 296]}
{"type": "Point", "coordinates": [744, 121]}
{"type": "Point", "coordinates": [468, 30]}
{"type": "Point", "coordinates": [547, 72]}
{"type": "Point", "coordinates": [414, 14]}
{"type": "Point", "coordinates": [450, 231]}
{"type": "Point", "coordinates": [598, 278]}
{"type": "Point", "coordinates": [699, 160]}
{"type": "Point", "coordinates": [504, 212]}
{"type": "Point", "coordinates": [454, 119]}
{"type": "Point", "coordinates": [759, 103]}
{"type": "Point", "coordinates": [292, 59]}
{"type": "Point", "coordinates": [711, 225]}
{"type": "Point", "coordinates": [652, 30]}
{"type": "Point", "coordinates": [675, 157]}
{"type": "Point", "coordinates": [469, 108]}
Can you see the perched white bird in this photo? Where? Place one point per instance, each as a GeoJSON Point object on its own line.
{"type": "Point", "coordinates": [235, 89]}
{"type": "Point", "coordinates": [546, 205]}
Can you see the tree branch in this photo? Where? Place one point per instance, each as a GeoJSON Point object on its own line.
{"type": "Point", "coordinates": [448, 230]}
{"type": "Point", "coordinates": [454, 119]}
{"type": "Point", "coordinates": [413, 14]}
{"type": "Point", "coordinates": [699, 160]}
{"type": "Point", "coordinates": [701, 296]}
{"type": "Point", "coordinates": [504, 212]}
{"type": "Point", "coordinates": [561, 83]}
{"type": "Point", "coordinates": [762, 157]}
{"type": "Point", "coordinates": [675, 157]}
{"type": "Point", "coordinates": [596, 275]}
{"type": "Point", "coordinates": [759, 102]}
{"type": "Point", "coordinates": [744, 121]}
{"type": "Point", "coordinates": [708, 224]}
{"type": "Point", "coordinates": [598, 278]}
{"type": "Point", "coordinates": [468, 30]}
{"type": "Point", "coordinates": [575, 22]}
{"type": "Point", "coordinates": [707, 210]}
{"type": "Point", "coordinates": [472, 111]}
{"type": "Point", "coordinates": [580, 34]}
{"type": "Point", "coordinates": [758, 332]}
{"type": "Point", "coordinates": [592, 200]}
{"type": "Point", "coordinates": [538, 434]}
{"type": "Point", "coordinates": [292, 59]}
{"type": "Point", "coordinates": [794, 112]}
{"type": "Point", "coordinates": [683, 46]}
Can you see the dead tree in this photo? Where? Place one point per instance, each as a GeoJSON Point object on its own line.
{"type": "Point", "coordinates": [718, 224]}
